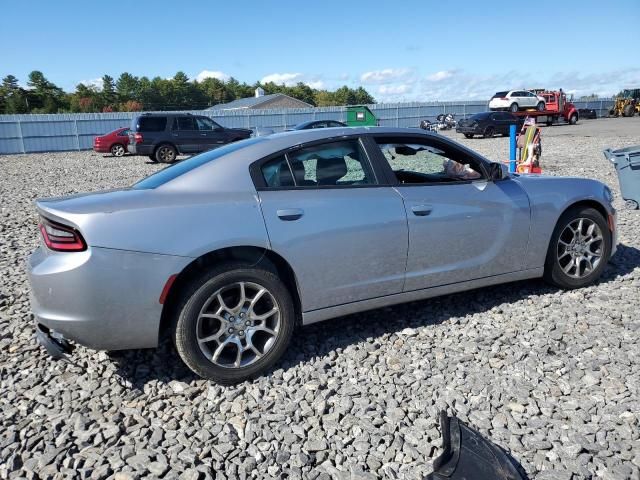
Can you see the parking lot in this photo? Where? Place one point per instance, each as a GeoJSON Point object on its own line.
{"type": "Point", "coordinates": [551, 376]}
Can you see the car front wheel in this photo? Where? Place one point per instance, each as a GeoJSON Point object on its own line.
{"type": "Point", "coordinates": [540, 106]}
{"type": "Point", "coordinates": [579, 249]}
{"type": "Point", "coordinates": [234, 322]}
{"type": "Point", "coordinates": [468, 135]}
{"type": "Point", "coordinates": [514, 107]}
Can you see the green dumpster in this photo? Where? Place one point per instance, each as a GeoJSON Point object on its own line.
{"type": "Point", "coordinates": [360, 116]}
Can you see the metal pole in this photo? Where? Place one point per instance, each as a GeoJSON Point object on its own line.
{"type": "Point", "coordinates": [75, 127]}
{"type": "Point", "coordinates": [21, 137]}
{"type": "Point", "coordinates": [512, 148]}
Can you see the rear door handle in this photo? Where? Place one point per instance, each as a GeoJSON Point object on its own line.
{"type": "Point", "coordinates": [421, 210]}
{"type": "Point", "coordinates": [289, 214]}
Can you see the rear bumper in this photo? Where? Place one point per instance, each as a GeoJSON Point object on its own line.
{"type": "Point", "coordinates": [102, 298]}
{"type": "Point", "coordinates": [140, 149]}
{"type": "Point", "coordinates": [101, 148]}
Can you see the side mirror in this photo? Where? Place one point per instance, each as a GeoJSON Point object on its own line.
{"type": "Point", "coordinates": [498, 171]}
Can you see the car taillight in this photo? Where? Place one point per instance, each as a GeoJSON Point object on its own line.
{"type": "Point", "coordinates": [61, 237]}
{"type": "Point", "coordinates": [138, 138]}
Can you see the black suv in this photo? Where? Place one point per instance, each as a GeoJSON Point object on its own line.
{"type": "Point", "coordinates": [162, 136]}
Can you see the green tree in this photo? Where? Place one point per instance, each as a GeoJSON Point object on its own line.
{"type": "Point", "coordinates": [14, 98]}
{"type": "Point", "coordinates": [108, 94]}
{"type": "Point", "coordinates": [127, 87]}
{"type": "Point", "coordinates": [44, 96]}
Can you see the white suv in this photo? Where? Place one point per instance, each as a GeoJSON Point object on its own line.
{"type": "Point", "coordinates": [515, 100]}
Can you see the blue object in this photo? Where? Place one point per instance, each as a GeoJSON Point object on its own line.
{"type": "Point", "coordinates": [512, 148]}
{"type": "Point", "coordinates": [627, 163]}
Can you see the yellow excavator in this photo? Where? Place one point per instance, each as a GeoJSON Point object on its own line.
{"type": "Point", "coordinates": [626, 104]}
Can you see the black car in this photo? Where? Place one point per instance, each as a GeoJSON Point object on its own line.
{"type": "Point", "coordinates": [318, 124]}
{"type": "Point", "coordinates": [488, 124]}
{"type": "Point", "coordinates": [162, 136]}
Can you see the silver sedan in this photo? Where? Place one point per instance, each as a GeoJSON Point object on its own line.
{"type": "Point", "coordinates": [232, 250]}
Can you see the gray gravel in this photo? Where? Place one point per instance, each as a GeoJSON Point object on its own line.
{"type": "Point", "coordinates": [551, 376]}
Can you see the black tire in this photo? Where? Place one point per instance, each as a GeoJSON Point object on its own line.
{"type": "Point", "coordinates": [199, 291]}
{"type": "Point", "coordinates": [553, 272]}
{"type": "Point", "coordinates": [166, 153]}
{"type": "Point", "coordinates": [514, 107]}
{"type": "Point", "coordinates": [153, 158]}
{"type": "Point", "coordinates": [540, 106]}
{"type": "Point", "coordinates": [118, 150]}
{"type": "Point", "coordinates": [488, 132]}
{"type": "Point", "coordinates": [573, 119]}
{"type": "Point", "coordinates": [468, 135]}
{"type": "Point", "coordinates": [628, 111]}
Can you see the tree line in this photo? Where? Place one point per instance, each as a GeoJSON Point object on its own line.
{"type": "Point", "coordinates": [129, 93]}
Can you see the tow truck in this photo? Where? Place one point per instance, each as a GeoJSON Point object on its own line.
{"type": "Point", "coordinates": [556, 108]}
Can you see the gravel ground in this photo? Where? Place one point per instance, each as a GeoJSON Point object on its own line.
{"type": "Point", "coordinates": [551, 376]}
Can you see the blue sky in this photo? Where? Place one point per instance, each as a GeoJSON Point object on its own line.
{"type": "Point", "coordinates": [399, 51]}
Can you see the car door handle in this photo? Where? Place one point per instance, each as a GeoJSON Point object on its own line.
{"type": "Point", "coordinates": [421, 210]}
{"type": "Point", "coordinates": [289, 214]}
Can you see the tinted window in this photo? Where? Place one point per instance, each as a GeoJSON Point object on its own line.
{"type": "Point", "coordinates": [152, 124]}
{"type": "Point", "coordinates": [205, 123]}
{"type": "Point", "coordinates": [174, 171]}
{"type": "Point", "coordinates": [184, 123]}
{"type": "Point", "coordinates": [334, 124]}
{"type": "Point", "coordinates": [500, 94]}
{"type": "Point", "coordinates": [419, 161]}
{"type": "Point", "coordinates": [124, 133]}
{"type": "Point", "coordinates": [330, 164]}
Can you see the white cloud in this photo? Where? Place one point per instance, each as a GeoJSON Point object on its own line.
{"type": "Point", "coordinates": [441, 75]}
{"type": "Point", "coordinates": [212, 74]}
{"type": "Point", "coordinates": [394, 89]}
{"type": "Point", "coordinates": [288, 79]}
{"type": "Point", "coordinates": [386, 75]}
{"type": "Point", "coordinates": [95, 83]}
{"type": "Point", "coordinates": [317, 84]}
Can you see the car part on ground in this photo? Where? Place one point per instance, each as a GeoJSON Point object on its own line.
{"type": "Point", "coordinates": [129, 275]}
{"type": "Point", "coordinates": [627, 164]}
{"type": "Point", "coordinates": [164, 136]}
{"type": "Point", "coordinates": [467, 455]}
{"type": "Point", "coordinates": [113, 142]}
{"type": "Point", "coordinates": [443, 122]}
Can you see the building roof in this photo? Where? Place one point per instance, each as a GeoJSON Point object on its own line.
{"type": "Point", "coordinates": [253, 102]}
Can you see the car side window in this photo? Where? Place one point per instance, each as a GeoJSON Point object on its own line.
{"type": "Point", "coordinates": [417, 161]}
{"type": "Point", "coordinates": [124, 133]}
{"type": "Point", "coordinates": [205, 124]}
{"type": "Point", "coordinates": [184, 123]}
{"type": "Point", "coordinates": [342, 163]}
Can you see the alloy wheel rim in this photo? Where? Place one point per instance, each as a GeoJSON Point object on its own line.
{"type": "Point", "coordinates": [166, 154]}
{"type": "Point", "coordinates": [118, 150]}
{"type": "Point", "coordinates": [238, 325]}
{"type": "Point", "coordinates": [580, 248]}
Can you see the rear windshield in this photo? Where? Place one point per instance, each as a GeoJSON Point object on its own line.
{"type": "Point", "coordinates": [480, 116]}
{"type": "Point", "coordinates": [500, 94]}
{"type": "Point", "coordinates": [149, 124]}
{"type": "Point", "coordinates": [180, 168]}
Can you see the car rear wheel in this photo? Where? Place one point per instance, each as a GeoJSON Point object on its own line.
{"type": "Point", "coordinates": [233, 323]}
{"type": "Point", "coordinates": [166, 154]}
{"type": "Point", "coordinates": [514, 107]}
{"type": "Point", "coordinates": [468, 135]}
{"type": "Point", "coordinates": [540, 106]}
{"type": "Point", "coordinates": [573, 119]}
{"type": "Point", "coordinates": [117, 150]}
{"type": "Point", "coordinates": [579, 249]}
{"type": "Point", "coordinates": [488, 132]}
